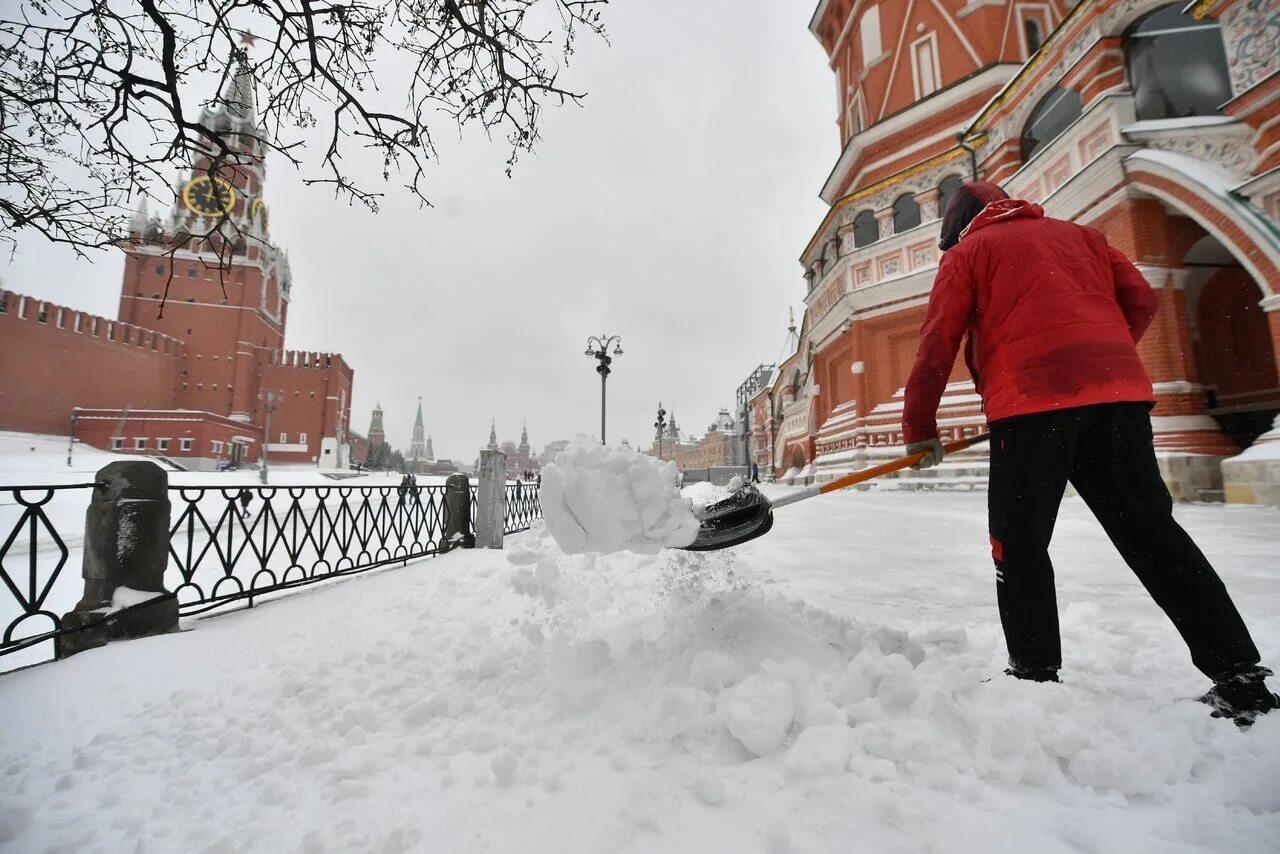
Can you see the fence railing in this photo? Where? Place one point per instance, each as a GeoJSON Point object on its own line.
{"type": "Point", "coordinates": [523, 507]}
{"type": "Point", "coordinates": [34, 555]}
{"type": "Point", "coordinates": [227, 544]}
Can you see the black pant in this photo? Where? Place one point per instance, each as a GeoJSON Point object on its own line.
{"type": "Point", "coordinates": [1106, 452]}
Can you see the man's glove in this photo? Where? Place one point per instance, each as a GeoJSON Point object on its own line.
{"type": "Point", "coordinates": [933, 452]}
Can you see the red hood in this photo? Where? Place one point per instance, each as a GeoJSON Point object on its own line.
{"type": "Point", "coordinates": [1001, 210]}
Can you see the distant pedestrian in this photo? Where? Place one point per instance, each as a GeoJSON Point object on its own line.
{"type": "Point", "coordinates": [539, 479]}
{"type": "Point", "coordinates": [755, 473]}
{"type": "Point", "coordinates": [245, 497]}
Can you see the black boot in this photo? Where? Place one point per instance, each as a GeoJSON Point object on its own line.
{"type": "Point", "coordinates": [1045, 675]}
{"type": "Point", "coordinates": [1242, 697]}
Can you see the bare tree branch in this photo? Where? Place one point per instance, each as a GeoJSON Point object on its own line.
{"type": "Point", "coordinates": [101, 100]}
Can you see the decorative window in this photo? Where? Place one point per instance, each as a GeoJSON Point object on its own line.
{"type": "Point", "coordinates": [160, 268]}
{"type": "Point", "coordinates": [184, 444]}
{"type": "Point", "coordinates": [217, 446]}
{"type": "Point", "coordinates": [191, 271]}
{"type": "Point", "coordinates": [284, 438]}
{"type": "Point", "coordinates": [946, 190]}
{"type": "Point", "coordinates": [1033, 35]}
{"type": "Point", "coordinates": [856, 107]}
{"type": "Point", "coordinates": [1177, 65]}
{"type": "Point", "coordinates": [924, 64]}
{"type": "Point", "coordinates": [906, 213]}
{"type": "Point", "coordinates": [117, 443]}
{"type": "Point", "coordinates": [162, 444]}
{"type": "Point", "coordinates": [865, 229]}
{"type": "Point", "coordinates": [139, 444]}
{"type": "Point", "coordinates": [869, 29]}
{"type": "Point", "coordinates": [302, 438]}
{"type": "Point", "coordinates": [1053, 115]}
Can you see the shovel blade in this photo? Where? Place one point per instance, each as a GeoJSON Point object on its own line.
{"type": "Point", "coordinates": [743, 516]}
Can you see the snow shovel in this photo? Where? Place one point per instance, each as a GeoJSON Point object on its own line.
{"type": "Point", "coordinates": [747, 514]}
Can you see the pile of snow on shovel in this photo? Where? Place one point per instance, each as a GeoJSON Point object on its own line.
{"type": "Point", "coordinates": [601, 499]}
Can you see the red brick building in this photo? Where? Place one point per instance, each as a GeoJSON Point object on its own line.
{"type": "Point", "coordinates": [1158, 126]}
{"type": "Point", "coordinates": [191, 381]}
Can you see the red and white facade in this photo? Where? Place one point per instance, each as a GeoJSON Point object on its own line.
{"type": "Point", "coordinates": [1052, 101]}
{"type": "Point", "coordinates": [187, 382]}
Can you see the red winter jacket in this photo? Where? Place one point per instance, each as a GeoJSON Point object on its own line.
{"type": "Point", "coordinates": [1052, 312]}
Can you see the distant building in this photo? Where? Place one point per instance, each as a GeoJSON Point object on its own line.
{"type": "Point", "coordinates": [520, 459]}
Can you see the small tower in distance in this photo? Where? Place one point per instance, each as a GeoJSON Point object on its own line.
{"type": "Point", "coordinates": [376, 434]}
{"type": "Point", "coordinates": [523, 448]}
{"type": "Point", "coordinates": [418, 447]}
{"type": "Point", "coordinates": [493, 436]}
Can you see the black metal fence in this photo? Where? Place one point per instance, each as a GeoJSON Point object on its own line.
{"type": "Point", "coordinates": [522, 507]}
{"type": "Point", "coordinates": [227, 544]}
{"type": "Point", "coordinates": [234, 543]}
{"type": "Point", "coordinates": [33, 557]}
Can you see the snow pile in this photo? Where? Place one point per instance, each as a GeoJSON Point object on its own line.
{"type": "Point", "coordinates": [601, 499]}
{"type": "Point", "coordinates": [541, 702]}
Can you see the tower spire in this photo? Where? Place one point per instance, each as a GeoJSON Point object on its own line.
{"type": "Point", "coordinates": [493, 435]}
{"type": "Point", "coordinates": [417, 447]}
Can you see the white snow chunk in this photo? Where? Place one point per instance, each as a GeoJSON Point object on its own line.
{"type": "Point", "coordinates": [758, 711]}
{"type": "Point", "coordinates": [709, 788]}
{"type": "Point", "coordinates": [601, 499]}
{"type": "Point", "coordinates": [819, 751]}
{"type": "Point", "coordinates": [504, 767]}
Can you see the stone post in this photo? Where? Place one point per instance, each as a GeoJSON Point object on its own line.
{"type": "Point", "coordinates": [457, 514]}
{"type": "Point", "coordinates": [491, 500]}
{"type": "Point", "coordinates": [126, 550]}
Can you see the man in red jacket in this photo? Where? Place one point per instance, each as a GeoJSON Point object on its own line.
{"type": "Point", "coordinates": [1053, 316]}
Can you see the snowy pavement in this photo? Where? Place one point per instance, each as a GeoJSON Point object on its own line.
{"type": "Point", "coordinates": [817, 690]}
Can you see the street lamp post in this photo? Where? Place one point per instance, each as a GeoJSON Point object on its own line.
{"type": "Point", "coordinates": [660, 425]}
{"type": "Point", "coordinates": [270, 402]}
{"type": "Point", "coordinates": [598, 349]}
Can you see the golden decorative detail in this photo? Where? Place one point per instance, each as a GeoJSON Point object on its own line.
{"type": "Point", "coordinates": [1201, 9]}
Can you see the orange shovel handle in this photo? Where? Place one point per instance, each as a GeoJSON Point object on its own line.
{"type": "Point", "coordinates": [898, 464]}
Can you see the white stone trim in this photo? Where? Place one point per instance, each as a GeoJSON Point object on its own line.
{"type": "Point", "coordinates": [1180, 423]}
{"type": "Point", "coordinates": [1177, 387]}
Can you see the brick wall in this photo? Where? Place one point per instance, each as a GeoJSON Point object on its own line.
{"type": "Point", "coordinates": [71, 358]}
{"type": "Point", "coordinates": [317, 389]}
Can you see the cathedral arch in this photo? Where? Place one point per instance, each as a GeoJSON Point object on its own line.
{"type": "Point", "coordinates": [906, 213]}
{"type": "Point", "coordinates": [865, 229]}
{"type": "Point", "coordinates": [1053, 114]}
{"type": "Point", "coordinates": [946, 189]}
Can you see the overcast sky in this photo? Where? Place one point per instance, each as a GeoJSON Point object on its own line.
{"type": "Point", "coordinates": [669, 210]}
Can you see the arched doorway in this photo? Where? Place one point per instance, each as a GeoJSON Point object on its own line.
{"type": "Point", "coordinates": [1237, 363]}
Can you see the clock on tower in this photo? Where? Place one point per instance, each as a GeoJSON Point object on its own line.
{"type": "Point", "coordinates": [209, 196]}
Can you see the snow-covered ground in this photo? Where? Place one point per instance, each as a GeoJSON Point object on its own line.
{"type": "Point", "coordinates": [819, 689]}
